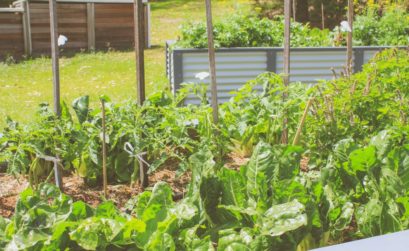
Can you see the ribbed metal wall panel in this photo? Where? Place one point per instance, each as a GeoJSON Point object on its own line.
{"type": "Point", "coordinates": [312, 66]}
{"type": "Point", "coordinates": [368, 54]}
{"type": "Point", "coordinates": [236, 66]}
{"type": "Point", "coordinates": [233, 70]}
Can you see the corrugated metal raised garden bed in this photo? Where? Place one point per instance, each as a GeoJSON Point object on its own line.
{"type": "Point", "coordinates": [236, 66]}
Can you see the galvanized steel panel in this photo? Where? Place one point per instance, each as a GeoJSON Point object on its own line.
{"type": "Point", "coordinates": [369, 54]}
{"type": "Point", "coordinates": [233, 69]}
{"type": "Point", "coordinates": [312, 66]}
{"type": "Point", "coordinates": [236, 66]}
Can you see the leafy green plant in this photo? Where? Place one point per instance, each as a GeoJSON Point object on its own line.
{"type": "Point", "coordinates": [360, 106]}
{"type": "Point", "coordinates": [355, 184]}
{"type": "Point", "coordinates": [249, 31]}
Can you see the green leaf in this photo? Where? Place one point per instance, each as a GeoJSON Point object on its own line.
{"type": "Point", "coordinates": [210, 194]}
{"type": "Point", "coordinates": [96, 233]}
{"type": "Point", "coordinates": [80, 211]}
{"type": "Point", "coordinates": [3, 225]}
{"type": "Point", "coordinates": [123, 166]}
{"type": "Point", "coordinates": [283, 218]}
{"type": "Point", "coordinates": [361, 160]}
{"type": "Point", "coordinates": [159, 203]}
{"type": "Point", "coordinates": [108, 210]}
{"type": "Point", "coordinates": [231, 241]}
{"type": "Point", "coordinates": [130, 233]}
{"type": "Point", "coordinates": [258, 171]}
{"type": "Point", "coordinates": [81, 108]}
{"type": "Point", "coordinates": [192, 242]}
{"type": "Point", "coordinates": [60, 239]}
{"type": "Point", "coordinates": [382, 142]}
{"type": "Point", "coordinates": [154, 210]}
{"type": "Point", "coordinates": [233, 187]}
{"type": "Point", "coordinates": [345, 218]}
{"type": "Point", "coordinates": [165, 242]}
{"type": "Point", "coordinates": [26, 240]}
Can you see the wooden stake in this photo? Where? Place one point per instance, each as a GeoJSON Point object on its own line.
{"type": "Point", "coordinates": [140, 76]}
{"type": "Point", "coordinates": [322, 15]}
{"type": "Point", "coordinates": [28, 47]}
{"type": "Point", "coordinates": [56, 75]}
{"type": "Point", "coordinates": [139, 51]}
{"type": "Point", "coordinates": [301, 124]}
{"type": "Point", "coordinates": [349, 39]}
{"type": "Point", "coordinates": [287, 23]}
{"type": "Point", "coordinates": [212, 61]}
{"type": "Point", "coordinates": [104, 151]}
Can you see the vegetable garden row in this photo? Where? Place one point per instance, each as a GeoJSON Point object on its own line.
{"type": "Point", "coordinates": [246, 30]}
{"type": "Point", "coordinates": [249, 46]}
{"type": "Point", "coordinates": [352, 183]}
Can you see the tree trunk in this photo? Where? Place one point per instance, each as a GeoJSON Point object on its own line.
{"type": "Point", "coordinates": [302, 11]}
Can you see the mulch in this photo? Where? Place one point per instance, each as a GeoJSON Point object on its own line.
{"type": "Point", "coordinates": [75, 187]}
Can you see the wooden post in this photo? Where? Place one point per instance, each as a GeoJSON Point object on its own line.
{"type": "Point", "coordinates": [56, 73]}
{"type": "Point", "coordinates": [322, 15]}
{"type": "Point", "coordinates": [286, 77]}
{"type": "Point", "coordinates": [140, 76]}
{"type": "Point", "coordinates": [294, 10]}
{"type": "Point", "coordinates": [104, 151]}
{"type": "Point", "coordinates": [91, 26]}
{"type": "Point", "coordinates": [28, 47]}
{"type": "Point", "coordinates": [349, 39]}
{"type": "Point", "coordinates": [212, 61]}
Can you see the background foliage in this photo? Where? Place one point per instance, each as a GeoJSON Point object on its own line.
{"type": "Point", "coordinates": [310, 11]}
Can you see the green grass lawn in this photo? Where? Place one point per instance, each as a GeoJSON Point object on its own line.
{"type": "Point", "coordinates": [25, 85]}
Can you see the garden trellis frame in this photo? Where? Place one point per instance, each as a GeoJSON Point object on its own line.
{"type": "Point", "coordinates": [140, 75]}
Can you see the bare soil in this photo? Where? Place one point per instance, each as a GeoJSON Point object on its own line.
{"type": "Point", "coordinates": [74, 186]}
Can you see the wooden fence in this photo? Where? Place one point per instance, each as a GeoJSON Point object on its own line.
{"type": "Point", "coordinates": [88, 25]}
{"type": "Point", "coordinates": [11, 32]}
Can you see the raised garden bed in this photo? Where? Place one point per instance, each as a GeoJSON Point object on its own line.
{"type": "Point", "coordinates": [236, 66]}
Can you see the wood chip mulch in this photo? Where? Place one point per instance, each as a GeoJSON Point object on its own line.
{"type": "Point", "coordinates": [74, 186]}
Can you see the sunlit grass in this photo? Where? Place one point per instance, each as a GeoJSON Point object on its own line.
{"type": "Point", "coordinates": [25, 85]}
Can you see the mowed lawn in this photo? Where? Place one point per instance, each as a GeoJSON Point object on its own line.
{"type": "Point", "coordinates": [25, 85]}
